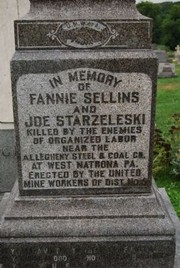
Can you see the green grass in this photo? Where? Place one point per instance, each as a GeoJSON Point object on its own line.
{"type": "Point", "coordinates": [172, 186]}
{"type": "Point", "coordinates": [168, 103]}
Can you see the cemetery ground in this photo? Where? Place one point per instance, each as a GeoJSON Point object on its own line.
{"type": "Point", "coordinates": [167, 138]}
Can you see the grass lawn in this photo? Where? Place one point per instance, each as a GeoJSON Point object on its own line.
{"type": "Point", "coordinates": [168, 103]}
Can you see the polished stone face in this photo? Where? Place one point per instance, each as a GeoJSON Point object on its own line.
{"type": "Point", "coordinates": [83, 34]}
{"type": "Point", "coordinates": [83, 129]}
{"type": "Point", "coordinates": [91, 254]}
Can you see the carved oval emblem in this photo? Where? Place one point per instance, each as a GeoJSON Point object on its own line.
{"type": "Point", "coordinates": [83, 34]}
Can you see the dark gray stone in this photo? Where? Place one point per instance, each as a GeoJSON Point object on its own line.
{"type": "Point", "coordinates": [118, 34]}
{"type": "Point", "coordinates": [176, 223]}
{"type": "Point", "coordinates": [135, 232]}
{"type": "Point", "coordinates": [8, 161]}
{"type": "Point", "coordinates": [98, 24]}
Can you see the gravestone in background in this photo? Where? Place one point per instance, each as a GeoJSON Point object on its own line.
{"type": "Point", "coordinates": [177, 54]}
{"type": "Point", "coordinates": [162, 56]}
{"type": "Point", "coordinates": [165, 69]}
{"type": "Point", "coordinates": [84, 80]}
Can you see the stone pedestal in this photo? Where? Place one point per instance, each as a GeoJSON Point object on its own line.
{"type": "Point", "coordinates": [84, 92]}
{"type": "Point", "coordinates": [118, 231]}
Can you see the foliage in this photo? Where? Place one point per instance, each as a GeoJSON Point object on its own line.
{"type": "Point", "coordinates": [167, 150]}
{"type": "Point", "coordinates": [161, 153]}
{"type": "Point", "coordinates": [175, 145]}
{"type": "Point", "coordinates": [151, 10]}
{"type": "Point", "coordinates": [172, 186]}
{"type": "Point", "coordinates": [171, 28]}
{"type": "Point", "coordinates": [168, 100]}
{"type": "Point", "coordinates": [166, 22]}
{"type": "Point", "coordinates": [167, 120]}
{"type": "Point", "coordinates": [166, 162]}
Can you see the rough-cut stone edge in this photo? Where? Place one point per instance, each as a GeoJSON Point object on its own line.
{"type": "Point", "coordinates": [113, 239]}
{"type": "Point", "coordinates": [176, 223]}
{"type": "Point", "coordinates": [83, 207]}
{"type": "Point", "coordinates": [20, 227]}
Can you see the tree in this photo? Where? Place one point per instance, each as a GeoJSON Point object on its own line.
{"type": "Point", "coordinates": [171, 28]}
{"type": "Point", "coordinates": [153, 11]}
{"type": "Point", "coordinates": [166, 22]}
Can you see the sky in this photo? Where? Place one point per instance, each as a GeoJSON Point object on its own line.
{"type": "Point", "coordinates": [158, 1]}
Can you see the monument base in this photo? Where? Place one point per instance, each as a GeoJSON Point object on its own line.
{"type": "Point", "coordinates": [120, 231]}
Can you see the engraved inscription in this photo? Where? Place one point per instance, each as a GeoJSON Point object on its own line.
{"type": "Point", "coordinates": [83, 34]}
{"type": "Point", "coordinates": [84, 129]}
{"type": "Point", "coordinates": [73, 254]}
{"type": "Point", "coordinates": [66, 35]}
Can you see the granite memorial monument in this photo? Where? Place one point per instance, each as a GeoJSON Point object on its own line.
{"type": "Point", "coordinates": [84, 83]}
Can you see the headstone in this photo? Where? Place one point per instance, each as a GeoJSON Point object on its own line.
{"type": "Point", "coordinates": [177, 54]}
{"type": "Point", "coordinates": [84, 98]}
{"type": "Point", "coordinates": [162, 56]}
{"type": "Point", "coordinates": [8, 162]}
{"type": "Point", "coordinates": [166, 70]}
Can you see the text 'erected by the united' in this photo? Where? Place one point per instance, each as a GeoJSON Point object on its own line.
{"type": "Point", "coordinates": [84, 128]}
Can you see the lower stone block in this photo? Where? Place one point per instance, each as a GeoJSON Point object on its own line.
{"type": "Point", "coordinates": [128, 252]}
{"type": "Point", "coordinates": [120, 231]}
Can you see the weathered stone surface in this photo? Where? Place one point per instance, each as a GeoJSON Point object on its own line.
{"type": "Point", "coordinates": [82, 221]}
{"type": "Point", "coordinates": [8, 161]}
{"type": "Point", "coordinates": [120, 94]}
{"type": "Point", "coordinates": [176, 223]}
{"type": "Point", "coordinates": [166, 70]}
{"type": "Point", "coordinates": [87, 9]}
{"type": "Point", "coordinates": [98, 24]}
{"type": "Point", "coordinates": [84, 239]}
{"type": "Point", "coordinates": [87, 34]}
